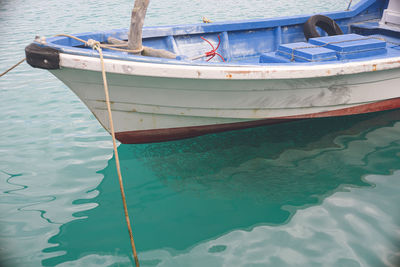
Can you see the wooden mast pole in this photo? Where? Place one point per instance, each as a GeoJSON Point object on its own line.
{"type": "Point", "coordinates": [137, 20]}
{"type": "Point", "coordinates": [135, 33]}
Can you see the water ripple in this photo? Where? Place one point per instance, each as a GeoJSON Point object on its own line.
{"type": "Point", "coordinates": [281, 195]}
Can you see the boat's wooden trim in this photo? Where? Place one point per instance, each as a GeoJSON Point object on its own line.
{"type": "Point", "coordinates": [228, 72]}
{"type": "Point", "coordinates": [162, 135]}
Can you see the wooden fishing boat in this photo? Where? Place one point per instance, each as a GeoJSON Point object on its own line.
{"type": "Point", "coordinates": [233, 75]}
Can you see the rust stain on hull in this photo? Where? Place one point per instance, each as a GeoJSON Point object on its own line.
{"type": "Point", "coordinates": [239, 72]}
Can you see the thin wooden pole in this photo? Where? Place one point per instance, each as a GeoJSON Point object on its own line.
{"type": "Point", "coordinates": [137, 20]}
{"type": "Point", "coordinates": [135, 33]}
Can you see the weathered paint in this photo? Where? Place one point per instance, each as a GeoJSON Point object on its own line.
{"type": "Point", "coordinates": [174, 102]}
{"type": "Point", "coordinates": [246, 72]}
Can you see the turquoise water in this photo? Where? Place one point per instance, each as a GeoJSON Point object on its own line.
{"type": "Point", "coordinates": [312, 193]}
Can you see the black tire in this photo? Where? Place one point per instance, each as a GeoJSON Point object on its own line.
{"type": "Point", "coordinates": [325, 23]}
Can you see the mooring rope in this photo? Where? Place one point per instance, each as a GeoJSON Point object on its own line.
{"type": "Point", "coordinates": [96, 45]}
{"type": "Point", "coordinates": [348, 7]}
{"type": "Point", "coordinates": [13, 67]}
{"type": "Point", "coordinates": [105, 46]}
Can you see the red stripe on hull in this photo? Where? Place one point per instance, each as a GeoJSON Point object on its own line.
{"type": "Point", "coordinates": [162, 135]}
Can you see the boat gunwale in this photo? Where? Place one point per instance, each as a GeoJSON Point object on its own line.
{"type": "Point", "coordinates": [249, 72]}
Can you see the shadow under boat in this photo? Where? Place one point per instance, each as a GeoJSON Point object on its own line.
{"type": "Point", "coordinates": [185, 192]}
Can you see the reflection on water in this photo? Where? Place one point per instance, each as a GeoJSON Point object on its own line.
{"type": "Point", "coordinates": [186, 192]}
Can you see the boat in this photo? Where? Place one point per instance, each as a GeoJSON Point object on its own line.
{"type": "Point", "coordinates": [233, 75]}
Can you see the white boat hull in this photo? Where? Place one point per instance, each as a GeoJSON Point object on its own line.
{"type": "Point", "coordinates": [150, 103]}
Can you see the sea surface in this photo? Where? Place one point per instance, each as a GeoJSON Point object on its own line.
{"type": "Point", "coordinates": [321, 192]}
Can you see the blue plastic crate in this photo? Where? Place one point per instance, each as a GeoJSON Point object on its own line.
{"type": "Point", "coordinates": [305, 52]}
{"type": "Point", "coordinates": [351, 46]}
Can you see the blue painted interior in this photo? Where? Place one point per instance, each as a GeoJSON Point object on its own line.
{"type": "Point", "coordinates": [263, 41]}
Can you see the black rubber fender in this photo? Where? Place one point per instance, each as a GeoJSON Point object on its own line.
{"type": "Point", "coordinates": [325, 23]}
{"type": "Point", "coordinates": [42, 57]}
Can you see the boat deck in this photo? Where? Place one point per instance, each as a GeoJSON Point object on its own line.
{"type": "Point", "coordinates": [275, 41]}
